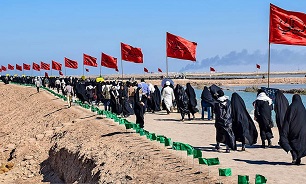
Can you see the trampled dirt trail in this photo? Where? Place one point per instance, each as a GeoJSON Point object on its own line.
{"type": "Point", "coordinates": [47, 142]}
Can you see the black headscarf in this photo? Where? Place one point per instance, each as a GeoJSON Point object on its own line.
{"type": "Point", "coordinates": [192, 98]}
{"type": "Point", "coordinates": [243, 125]}
{"type": "Point", "coordinates": [293, 135]}
{"type": "Point", "coordinates": [207, 97]}
{"type": "Point", "coordinates": [280, 108]}
{"type": "Point", "coordinates": [214, 91]}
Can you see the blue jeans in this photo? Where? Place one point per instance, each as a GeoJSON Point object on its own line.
{"type": "Point", "coordinates": [206, 106]}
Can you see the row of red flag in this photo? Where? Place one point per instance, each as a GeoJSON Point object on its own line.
{"type": "Point", "coordinates": [286, 27]}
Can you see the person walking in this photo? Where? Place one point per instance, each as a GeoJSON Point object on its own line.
{"type": "Point", "coordinates": [207, 103]}
{"type": "Point", "coordinates": [37, 84]}
{"type": "Point", "coordinates": [69, 93]}
{"type": "Point", "coordinates": [223, 123]}
{"type": "Point", "coordinates": [293, 130]}
{"type": "Point", "coordinates": [138, 107]}
{"type": "Point", "coordinates": [182, 102]}
{"type": "Point", "coordinates": [243, 125]}
{"type": "Point", "coordinates": [262, 114]}
{"type": "Point", "coordinates": [167, 97]}
{"type": "Point", "coordinates": [192, 101]}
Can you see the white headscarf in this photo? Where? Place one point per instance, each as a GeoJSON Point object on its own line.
{"type": "Point", "coordinates": [263, 96]}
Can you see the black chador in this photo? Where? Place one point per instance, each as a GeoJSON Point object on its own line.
{"type": "Point", "coordinates": [293, 134]}
{"type": "Point", "coordinates": [280, 108]}
{"type": "Point", "coordinates": [243, 125]}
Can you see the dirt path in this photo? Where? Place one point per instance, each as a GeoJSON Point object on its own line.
{"type": "Point", "coordinates": [50, 143]}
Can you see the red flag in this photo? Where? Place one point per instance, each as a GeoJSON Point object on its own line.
{"type": "Point", "coordinates": [44, 66]}
{"type": "Point", "coordinates": [258, 66]}
{"type": "Point", "coordinates": [46, 74]}
{"type": "Point", "coordinates": [109, 61]}
{"type": "Point", "coordinates": [159, 70]}
{"type": "Point", "coordinates": [36, 67]}
{"type": "Point", "coordinates": [71, 63]}
{"type": "Point", "coordinates": [56, 65]}
{"type": "Point", "coordinates": [26, 67]}
{"type": "Point", "coordinates": [287, 27]}
{"type": "Point", "coordinates": [3, 68]}
{"type": "Point", "coordinates": [212, 69]}
{"type": "Point", "coordinates": [89, 60]}
{"type": "Point", "coordinates": [178, 47]}
{"type": "Point", "coordinates": [0, 70]}
{"type": "Point", "coordinates": [129, 53]}
{"type": "Point", "coordinates": [10, 67]}
{"type": "Point", "coordinates": [18, 67]}
{"type": "Point", "coordinates": [145, 70]}
{"type": "Point", "coordinates": [86, 69]}
{"type": "Point", "coordinates": [60, 73]}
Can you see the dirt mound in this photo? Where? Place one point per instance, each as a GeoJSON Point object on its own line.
{"type": "Point", "coordinates": [47, 142]}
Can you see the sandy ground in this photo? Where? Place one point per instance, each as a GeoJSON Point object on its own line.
{"type": "Point", "coordinates": [84, 147]}
{"type": "Point", "coordinates": [30, 121]}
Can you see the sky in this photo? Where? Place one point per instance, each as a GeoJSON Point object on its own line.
{"type": "Point", "coordinates": [34, 31]}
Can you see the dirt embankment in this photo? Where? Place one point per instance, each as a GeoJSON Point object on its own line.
{"type": "Point", "coordinates": [47, 142]}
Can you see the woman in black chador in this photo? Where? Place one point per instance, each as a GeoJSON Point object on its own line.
{"type": "Point", "coordinates": [280, 108]}
{"type": "Point", "coordinates": [139, 107]}
{"type": "Point", "coordinates": [182, 102]}
{"type": "Point", "coordinates": [123, 101]}
{"type": "Point", "coordinates": [156, 99]}
{"type": "Point", "coordinates": [262, 114]}
{"type": "Point", "coordinates": [243, 125]}
{"type": "Point", "coordinates": [192, 103]}
{"type": "Point", "coordinates": [223, 123]}
{"type": "Point", "coordinates": [293, 134]}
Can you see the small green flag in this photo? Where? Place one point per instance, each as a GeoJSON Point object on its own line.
{"type": "Point", "coordinates": [209, 161]}
{"type": "Point", "coordinates": [197, 153]}
{"type": "Point", "coordinates": [167, 141]}
{"type": "Point", "coordinates": [188, 148]}
{"type": "Point", "coordinates": [243, 179]}
{"type": "Point", "coordinates": [260, 179]}
{"type": "Point", "coordinates": [135, 126]}
{"type": "Point", "coordinates": [128, 125]}
{"type": "Point", "coordinates": [152, 136]}
{"type": "Point", "coordinates": [176, 146]}
{"type": "Point", "coordinates": [158, 137]}
{"type": "Point", "coordinates": [225, 172]}
{"type": "Point", "coordinates": [203, 161]}
{"type": "Point", "coordinates": [162, 140]}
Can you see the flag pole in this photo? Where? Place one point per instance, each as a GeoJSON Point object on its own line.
{"type": "Point", "coordinates": [167, 66]}
{"type": "Point", "coordinates": [121, 69]}
{"type": "Point", "coordinates": [101, 70]}
{"type": "Point", "coordinates": [269, 65]}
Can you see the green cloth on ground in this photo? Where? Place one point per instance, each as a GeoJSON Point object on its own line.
{"type": "Point", "coordinates": [260, 179]}
{"type": "Point", "coordinates": [243, 179]}
{"type": "Point", "coordinates": [225, 172]}
{"type": "Point", "coordinates": [197, 153]}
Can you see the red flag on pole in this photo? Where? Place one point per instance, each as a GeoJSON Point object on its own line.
{"type": "Point", "coordinates": [109, 61]}
{"type": "Point", "coordinates": [60, 73]}
{"type": "Point", "coordinates": [212, 69]}
{"type": "Point", "coordinates": [56, 65]}
{"type": "Point", "coordinates": [86, 69]}
{"type": "Point", "coordinates": [36, 67]}
{"type": "Point", "coordinates": [18, 67]}
{"type": "Point", "coordinates": [257, 66]}
{"type": "Point", "coordinates": [3, 68]}
{"type": "Point", "coordinates": [71, 63]}
{"type": "Point", "coordinates": [159, 70]}
{"type": "Point", "coordinates": [145, 70]}
{"type": "Point", "coordinates": [89, 60]}
{"type": "Point", "coordinates": [44, 66]}
{"type": "Point", "coordinates": [287, 27]}
{"type": "Point", "coordinates": [10, 67]}
{"type": "Point", "coordinates": [26, 67]}
{"type": "Point", "coordinates": [180, 48]}
{"type": "Point", "coordinates": [46, 74]}
{"type": "Point", "coordinates": [129, 53]}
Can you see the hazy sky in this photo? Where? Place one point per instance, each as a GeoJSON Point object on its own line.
{"type": "Point", "coordinates": [41, 30]}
